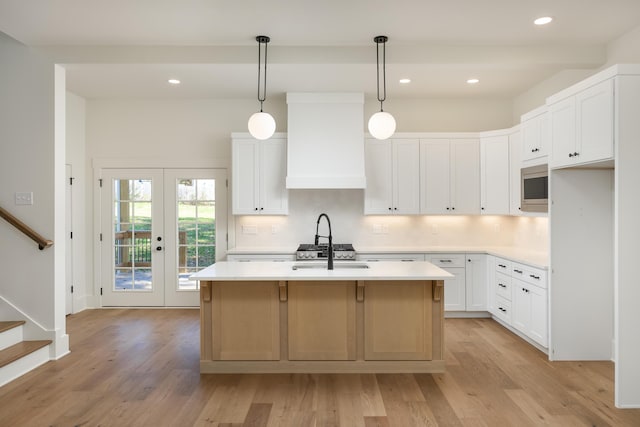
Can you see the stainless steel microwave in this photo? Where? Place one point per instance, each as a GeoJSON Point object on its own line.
{"type": "Point", "coordinates": [534, 189]}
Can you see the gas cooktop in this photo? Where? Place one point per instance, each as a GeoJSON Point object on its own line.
{"type": "Point", "coordinates": [341, 251]}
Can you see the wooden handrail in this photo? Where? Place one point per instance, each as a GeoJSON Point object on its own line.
{"type": "Point", "coordinates": [30, 232]}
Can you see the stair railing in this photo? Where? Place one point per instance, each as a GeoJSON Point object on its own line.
{"type": "Point", "coordinates": [24, 228]}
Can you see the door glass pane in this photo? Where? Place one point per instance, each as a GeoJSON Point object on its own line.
{"type": "Point", "coordinates": [196, 228]}
{"type": "Point", "coordinates": [132, 235]}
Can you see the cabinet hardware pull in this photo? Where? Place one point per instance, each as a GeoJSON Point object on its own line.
{"type": "Point", "coordinates": [255, 209]}
{"type": "Point", "coordinates": [453, 209]}
{"type": "Point", "coordinates": [445, 260]}
{"type": "Point", "coordinates": [261, 209]}
{"type": "Point", "coordinates": [501, 285]}
{"type": "Point", "coordinates": [517, 271]}
{"type": "Point", "coordinates": [570, 154]}
{"type": "Point", "coordinates": [502, 266]}
{"type": "Point", "coordinates": [576, 154]}
{"type": "Point", "coordinates": [447, 208]}
{"type": "Point", "coordinates": [158, 248]}
{"type": "Point", "coordinates": [389, 208]}
{"type": "Point", "coordinates": [395, 209]}
{"type": "Point", "coordinates": [502, 309]}
{"type": "Point", "coordinates": [534, 277]}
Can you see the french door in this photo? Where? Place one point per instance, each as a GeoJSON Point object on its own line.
{"type": "Point", "coordinates": [159, 226]}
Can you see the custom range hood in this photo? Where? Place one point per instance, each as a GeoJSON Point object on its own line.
{"type": "Point", "coordinates": [325, 140]}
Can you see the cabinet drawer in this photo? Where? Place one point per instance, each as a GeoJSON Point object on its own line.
{"type": "Point", "coordinates": [407, 257]}
{"type": "Point", "coordinates": [503, 266]}
{"type": "Point", "coordinates": [447, 260]}
{"type": "Point", "coordinates": [503, 309]}
{"type": "Point", "coordinates": [535, 276]}
{"type": "Point", "coordinates": [503, 286]}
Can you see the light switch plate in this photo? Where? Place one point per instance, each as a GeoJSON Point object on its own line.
{"type": "Point", "coordinates": [24, 198]}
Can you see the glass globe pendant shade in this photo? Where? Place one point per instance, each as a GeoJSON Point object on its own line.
{"type": "Point", "coordinates": [382, 125]}
{"type": "Point", "coordinates": [262, 125]}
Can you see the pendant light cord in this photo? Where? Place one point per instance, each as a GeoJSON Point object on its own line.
{"type": "Point", "coordinates": [262, 95]}
{"type": "Point", "coordinates": [381, 40]}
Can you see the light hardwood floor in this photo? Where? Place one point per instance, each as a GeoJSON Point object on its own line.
{"type": "Point", "coordinates": [141, 368]}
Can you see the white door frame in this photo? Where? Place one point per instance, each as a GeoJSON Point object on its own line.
{"type": "Point", "coordinates": [224, 221]}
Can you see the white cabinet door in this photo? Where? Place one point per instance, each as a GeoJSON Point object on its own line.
{"type": "Point", "coordinates": [494, 178]}
{"type": "Point", "coordinates": [594, 115]}
{"type": "Point", "coordinates": [515, 147]}
{"type": "Point", "coordinates": [245, 178]}
{"type": "Point", "coordinates": [378, 196]}
{"type": "Point", "coordinates": [539, 317]}
{"type": "Point", "coordinates": [534, 137]}
{"type": "Point", "coordinates": [273, 193]}
{"type": "Point", "coordinates": [258, 177]}
{"type": "Point", "coordinates": [435, 182]}
{"type": "Point", "coordinates": [465, 177]}
{"type": "Point", "coordinates": [406, 176]}
{"type": "Point", "coordinates": [582, 127]}
{"type": "Point", "coordinates": [476, 282]}
{"type": "Point", "coordinates": [521, 310]}
{"type": "Point", "coordinates": [562, 118]}
{"type": "Point", "coordinates": [455, 290]}
{"type": "Point", "coordinates": [393, 176]}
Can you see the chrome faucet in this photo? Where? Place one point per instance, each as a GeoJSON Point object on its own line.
{"type": "Point", "coordinates": [330, 249]}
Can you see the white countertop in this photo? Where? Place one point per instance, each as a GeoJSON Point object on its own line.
{"type": "Point", "coordinates": [537, 259]}
{"type": "Point", "coordinates": [386, 270]}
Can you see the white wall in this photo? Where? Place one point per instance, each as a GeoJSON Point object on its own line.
{"type": "Point", "coordinates": [446, 115]}
{"type": "Point", "coordinates": [625, 49]}
{"type": "Point", "coordinates": [30, 146]}
{"type": "Point", "coordinates": [537, 95]}
{"type": "Point", "coordinates": [81, 216]}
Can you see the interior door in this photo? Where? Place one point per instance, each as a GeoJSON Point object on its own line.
{"type": "Point", "coordinates": [132, 237]}
{"type": "Point", "coordinates": [195, 212]}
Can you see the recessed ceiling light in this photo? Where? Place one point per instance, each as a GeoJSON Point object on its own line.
{"type": "Point", "coordinates": [472, 81]}
{"type": "Point", "coordinates": [405, 81]}
{"type": "Point", "coordinates": [543, 20]}
{"type": "Point", "coordinates": [174, 81]}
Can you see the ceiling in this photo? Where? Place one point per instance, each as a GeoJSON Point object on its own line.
{"type": "Point", "coordinates": [124, 48]}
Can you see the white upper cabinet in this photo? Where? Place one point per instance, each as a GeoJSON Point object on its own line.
{"type": "Point", "coordinates": [535, 136]}
{"type": "Point", "coordinates": [494, 175]}
{"type": "Point", "coordinates": [393, 176]}
{"type": "Point", "coordinates": [450, 176]}
{"type": "Point", "coordinates": [515, 148]}
{"type": "Point", "coordinates": [582, 126]}
{"type": "Point", "coordinates": [259, 171]}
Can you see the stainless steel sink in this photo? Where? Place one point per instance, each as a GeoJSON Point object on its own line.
{"type": "Point", "coordinates": [323, 266]}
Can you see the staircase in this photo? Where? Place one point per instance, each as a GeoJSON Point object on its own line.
{"type": "Point", "coordinates": [17, 357]}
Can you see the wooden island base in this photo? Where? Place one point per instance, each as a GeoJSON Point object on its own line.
{"type": "Point", "coordinates": [317, 326]}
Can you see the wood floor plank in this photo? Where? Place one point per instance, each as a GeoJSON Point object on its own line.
{"type": "Point", "coordinates": [141, 367]}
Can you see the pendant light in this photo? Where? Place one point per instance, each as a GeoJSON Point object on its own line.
{"type": "Point", "coordinates": [262, 125]}
{"type": "Point", "coordinates": [382, 124]}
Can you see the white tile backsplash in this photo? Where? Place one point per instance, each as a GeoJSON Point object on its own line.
{"type": "Point", "coordinates": [350, 225]}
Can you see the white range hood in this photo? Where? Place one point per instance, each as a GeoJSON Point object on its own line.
{"type": "Point", "coordinates": [325, 140]}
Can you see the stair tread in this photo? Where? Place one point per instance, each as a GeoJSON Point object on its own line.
{"type": "Point", "coordinates": [15, 352]}
{"type": "Point", "coordinates": [5, 326]}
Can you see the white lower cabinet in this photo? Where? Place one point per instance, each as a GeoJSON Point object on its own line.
{"type": "Point", "coordinates": [455, 289]}
{"type": "Point", "coordinates": [530, 311]}
{"type": "Point", "coordinates": [476, 282]}
{"type": "Point", "coordinates": [520, 296]}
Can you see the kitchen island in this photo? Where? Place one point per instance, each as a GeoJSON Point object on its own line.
{"type": "Point", "coordinates": [259, 317]}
